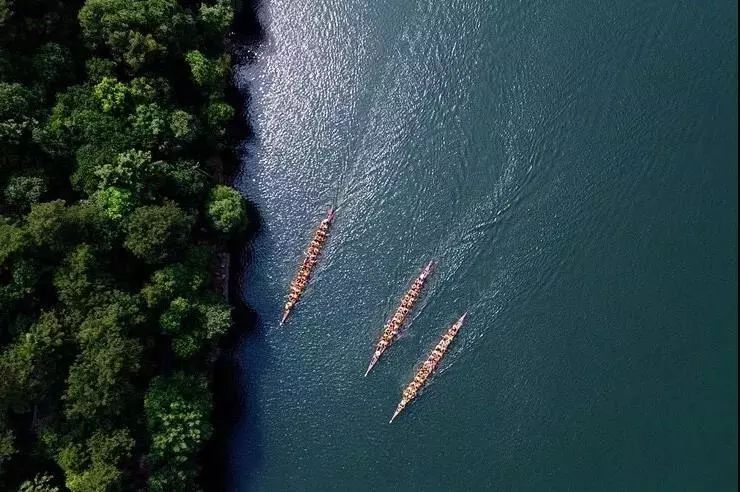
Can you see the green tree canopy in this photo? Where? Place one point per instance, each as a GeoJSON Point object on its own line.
{"type": "Point", "coordinates": [226, 210]}
{"type": "Point", "coordinates": [215, 20]}
{"type": "Point", "coordinates": [136, 32]}
{"type": "Point", "coordinates": [43, 482]}
{"type": "Point", "coordinates": [96, 465]}
{"type": "Point", "coordinates": [157, 232]}
{"type": "Point", "coordinates": [28, 364]}
{"type": "Point", "coordinates": [23, 191]}
{"type": "Point", "coordinates": [178, 417]}
{"type": "Point", "coordinates": [99, 383]}
{"type": "Point", "coordinates": [209, 73]}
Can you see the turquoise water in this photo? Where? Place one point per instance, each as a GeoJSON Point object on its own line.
{"type": "Point", "coordinates": [572, 168]}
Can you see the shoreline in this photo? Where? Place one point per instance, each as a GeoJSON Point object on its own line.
{"type": "Point", "coordinates": [227, 388]}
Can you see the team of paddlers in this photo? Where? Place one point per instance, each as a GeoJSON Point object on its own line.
{"type": "Point", "coordinates": [391, 329]}
{"type": "Point", "coordinates": [298, 285]}
{"type": "Point", "coordinates": [428, 367]}
{"type": "Point", "coordinates": [394, 325]}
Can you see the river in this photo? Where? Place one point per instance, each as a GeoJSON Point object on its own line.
{"type": "Point", "coordinates": [572, 168]}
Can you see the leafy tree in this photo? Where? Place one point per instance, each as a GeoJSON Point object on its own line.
{"type": "Point", "coordinates": [42, 482]}
{"type": "Point", "coordinates": [4, 11]}
{"type": "Point", "coordinates": [215, 20]}
{"type": "Point", "coordinates": [157, 232]}
{"type": "Point", "coordinates": [99, 68]}
{"type": "Point", "coordinates": [145, 90]}
{"type": "Point", "coordinates": [52, 64]}
{"type": "Point", "coordinates": [15, 100]}
{"type": "Point", "coordinates": [136, 32]}
{"type": "Point", "coordinates": [184, 179]}
{"type": "Point", "coordinates": [16, 116]}
{"type": "Point", "coordinates": [218, 114]}
{"type": "Point", "coordinates": [78, 118]}
{"type": "Point", "coordinates": [99, 382]}
{"type": "Point", "coordinates": [79, 279]}
{"type": "Point", "coordinates": [226, 210]}
{"type": "Point", "coordinates": [102, 141]}
{"type": "Point", "coordinates": [151, 125]}
{"type": "Point", "coordinates": [90, 160]}
{"type": "Point", "coordinates": [21, 279]}
{"type": "Point", "coordinates": [178, 410]}
{"type": "Point", "coordinates": [96, 465]}
{"type": "Point", "coordinates": [216, 316]}
{"type": "Point", "coordinates": [178, 320]}
{"type": "Point", "coordinates": [193, 323]}
{"type": "Point", "coordinates": [111, 94]}
{"type": "Point", "coordinates": [185, 279]}
{"type": "Point", "coordinates": [18, 274]}
{"type": "Point", "coordinates": [48, 224]}
{"type": "Point", "coordinates": [132, 168]}
{"type": "Point", "coordinates": [7, 444]}
{"type": "Point", "coordinates": [91, 224]}
{"type": "Point", "coordinates": [29, 364]}
{"type": "Point", "coordinates": [12, 241]}
{"type": "Point", "coordinates": [53, 226]}
{"type": "Point", "coordinates": [116, 202]}
{"type": "Point", "coordinates": [206, 72]}
{"type": "Point", "coordinates": [23, 191]}
{"type": "Point", "coordinates": [183, 126]}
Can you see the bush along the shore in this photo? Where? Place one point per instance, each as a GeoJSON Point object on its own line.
{"type": "Point", "coordinates": [112, 212]}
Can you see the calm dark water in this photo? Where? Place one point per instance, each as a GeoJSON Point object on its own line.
{"type": "Point", "coordinates": [573, 168]}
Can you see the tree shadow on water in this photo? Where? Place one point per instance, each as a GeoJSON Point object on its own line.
{"type": "Point", "coordinates": [226, 463]}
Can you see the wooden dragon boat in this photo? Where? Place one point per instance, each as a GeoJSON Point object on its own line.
{"type": "Point", "coordinates": [300, 281]}
{"type": "Point", "coordinates": [396, 322]}
{"type": "Point", "coordinates": [428, 367]}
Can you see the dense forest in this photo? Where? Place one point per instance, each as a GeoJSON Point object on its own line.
{"type": "Point", "coordinates": [113, 217]}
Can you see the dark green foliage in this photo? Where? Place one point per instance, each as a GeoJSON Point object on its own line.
{"type": "Point", "coordinates": [12, 241]}
{"type": "Point", "coordinates": [99, 68]}
{"type": "Point", "coordinates": [206, 72]}
{"type": "Point", "coordinates": [135, 32]}
{"type": "Point", "coordinates": [112, 121]}
{"type": "Point", "coordinates": [7, 446]}
{"type": "Point", "coordinates": [226, 210]}
{"type": "Point", "coordinates": [23, 191]}
{"type": "Point", "coordinates": [16, 115]}
{"type": "Point", "coordinates": [132, 168]}
{"type": "Point", "coordinates": [177, 410]}
{"type": "Point", "coordinates": [215, 20]}
{"type": "Point", "coordinates": [54, 227]}
{"type": "Point", "coordinates": [48, 225]}
{"type": "Point", "coordinates": [95, 465]}
{"type": "Point", "coordinates": [218, 114]}
{"type": "Point", "coordinates": [52, 64]}
{"type": "Point", "coordinates": [17, 275]}
{"type": "Point", "coordinates": [116, 203]}
{"type": "Point", "coordinates": [192, 314]}
{"type": "Point", "coordinates": [157, 232]}
{"type": "Point", "coordinates": [29, 364]}
{"type": "Point", "coordinates": [194, 322]}
{"type": "Point", "coordinates": [41, 483]}
{"type": "Point", "coordinates": [183, 179]}
{"type": "Point", "coordinates": [81, 279]}
{"type": "Point", "coordinates": [99, 383]}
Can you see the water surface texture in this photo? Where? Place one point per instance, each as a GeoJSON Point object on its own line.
{"type": "Point", "coordinates": [572, 168]}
